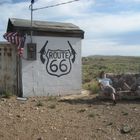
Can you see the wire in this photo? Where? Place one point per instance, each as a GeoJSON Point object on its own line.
{"type": "Point", "coordinates": [58, 4]}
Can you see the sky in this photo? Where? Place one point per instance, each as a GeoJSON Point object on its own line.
{"type": "Point", "coordinates": [112, 27]}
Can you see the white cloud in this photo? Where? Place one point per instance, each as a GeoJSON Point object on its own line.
{"type": "Point", "coordinates": [10, 10]}
{"type": "Point", "coordinates": [107, 47]}
{"type": "Point", "coordinates": [94, 24]}
{"type": "Point", "coordinates": [104, 24]}
{"type": "Point", "coordinates": [21, 10]}
{"type": "Point", "coordinates": [127, 1]}
{"type": "Point", "coordinates": [4, 1]}
{"type": "Point", "coordinates": [74, 9]}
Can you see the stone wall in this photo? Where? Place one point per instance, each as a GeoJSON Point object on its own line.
{"type": "Point", "coordinates": [127, 86]}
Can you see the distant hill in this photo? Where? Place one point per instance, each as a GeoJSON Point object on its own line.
{"type": "Point", "coordinates": [113, 57]}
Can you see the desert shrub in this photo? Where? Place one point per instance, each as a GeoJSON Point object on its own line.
{"type": "Point", "coordinates": [92, 86]}
{"type": "Point", "coordinates": [92, 115]}
{"type": "Point", "coordinates": [86, 80]}
{"type": "Point", "coordinates": [52, 106]}
{"type": "Point", "coordinates": [39, 103]}
{"type": "Point", "coordinates": [51, 98]}
{"type": "Point", "coordinates": [95, 87]}
{"type": "Point", "coordinates": [6, 94]}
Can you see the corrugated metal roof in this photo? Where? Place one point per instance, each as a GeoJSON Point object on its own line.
{"type": "Point", "coordinates": [44, 26]}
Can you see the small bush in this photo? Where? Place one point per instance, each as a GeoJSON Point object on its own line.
{"type": "Point", "coordinates": [51, 98]}
{"type": "Point", "coordinates": [86, 86]}
{"type": "Point", "coordinates": [6, 94]}
{"type": "Point", "coordinates": [92, 86]}
{"type": "Point", "coordinates": [95, 87]}
{"type": "Point", "coordinates": [92, 115]}
{"type": "Point", "coordinates": [81, 110]}
{"type": "Point", "coordinates": [39, 103]}
{"type": "Point", "coordinates": [52, 106]}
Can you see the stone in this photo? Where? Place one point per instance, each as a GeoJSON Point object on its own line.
{"type": "Point", "coordinates": [40, 138]}
{"type": "Point", "coordinates": [126, 129]}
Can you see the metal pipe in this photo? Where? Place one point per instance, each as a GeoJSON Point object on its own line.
{"type": "Point", "coordinates": [31, 22]}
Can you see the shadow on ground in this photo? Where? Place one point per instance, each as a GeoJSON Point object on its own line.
{"type": "Point", "coordinates": [97, 101]}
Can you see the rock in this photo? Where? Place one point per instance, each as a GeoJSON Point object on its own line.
{"type": "Point", "coordinates": [125, 113]}
{"type": "Point", "coordinates": [9, 104]}
{"type": "Point", "coordinates": [126, 129]}
{"type": "Point", "coordinates": [108, 107]}
{"type": "Point", "coordinates": [82, 110]}
{"type": "Point", "coordinates": [2, 99]}
{"type": "Point", "coordinates": [44, 130]}
{"type": "Point", "coordinates": [10, 114]}
{"type": "Point", "coordinates": [36, 108]}
{"type": "Point", "coordinates": [40, 138]}
{"type": "Point", "coordinates": [135, 109]}
{"type": "Point", "coordinates": [110, 123]}
{"type": "Point", "coordinates": [99, 129]}
{"type": "Point", "coordinates": [34, 100]}
{"type": "Point", "coordinates": [18, 116]}
{"type": "Point", "coordinates": [21, 99]}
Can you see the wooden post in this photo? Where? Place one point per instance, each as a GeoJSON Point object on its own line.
{"type": "Point", "coordinates": [19, 77]}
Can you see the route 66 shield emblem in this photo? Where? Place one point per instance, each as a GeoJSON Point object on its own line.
{"type": "Point", "coordinates": [58, 62]}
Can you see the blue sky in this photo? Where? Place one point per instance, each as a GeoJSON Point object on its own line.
{"type": "Point", "coordinates": [112, 27]}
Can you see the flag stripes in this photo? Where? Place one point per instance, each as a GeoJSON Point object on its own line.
{"type": "Point", "coordinates": [17, 39]}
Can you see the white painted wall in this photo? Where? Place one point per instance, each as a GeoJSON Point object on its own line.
{"type": "Point", "coordinates": [35, 78]}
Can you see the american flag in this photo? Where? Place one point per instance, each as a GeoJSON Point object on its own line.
{"type": "Point", "coordinates": [17, 39]}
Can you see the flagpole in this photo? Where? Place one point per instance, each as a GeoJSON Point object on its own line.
{"type": "Point", "coordinates": [32, 2]}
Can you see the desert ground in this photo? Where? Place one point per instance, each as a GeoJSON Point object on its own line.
{"type": "Point", "coordinates": [78, 117]}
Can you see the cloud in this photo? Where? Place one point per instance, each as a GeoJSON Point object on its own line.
{"type": "Point", "coordinates": [102, 24]}
{"type": "Point", "coordinates": [75, 9]}
{"type": "Point", "coordinates": [107, 47]}
{"type": "Point", "coordinates": [95, 24]}
{"type": "Point", "coordinates": [5, 1]}
{"type": "Point", "coordinates": [61, 13]}
{"type": "Point", "coordinates": [128, 1]}
{"type": "Point", "coordinates": [105, 32]}
{"type": "Point", "coordinates": [11, 10]}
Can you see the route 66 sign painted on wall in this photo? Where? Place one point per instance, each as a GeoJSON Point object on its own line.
{"type": "Point", "coordinates": [59, 62]}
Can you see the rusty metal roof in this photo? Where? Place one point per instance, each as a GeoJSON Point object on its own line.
{"type": "Point", "coordinates": [44, 28]}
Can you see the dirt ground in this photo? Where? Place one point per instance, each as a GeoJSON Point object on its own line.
{"type": "Point", "coordinates": [69, 118]}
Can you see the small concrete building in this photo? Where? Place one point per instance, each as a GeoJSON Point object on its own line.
{"type": "Point", "coordinates": [51, 63]}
